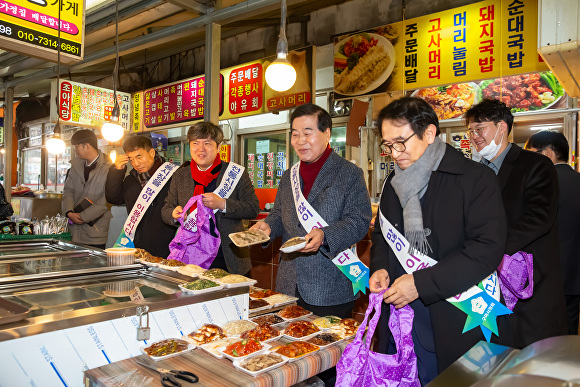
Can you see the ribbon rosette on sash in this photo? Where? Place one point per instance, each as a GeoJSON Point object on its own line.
{"type": "Point", "coordinates": [146, 197]}
{"type": "Point", "coordinates": [346, 261]}
{"type": "Point", "coordinates": [481, 303]}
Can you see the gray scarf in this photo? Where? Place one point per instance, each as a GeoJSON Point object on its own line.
{"type": "Point", "coordinates": [410, 184]}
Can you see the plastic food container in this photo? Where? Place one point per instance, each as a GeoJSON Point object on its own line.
{"type": "Point", "coordinates": [119, 256]}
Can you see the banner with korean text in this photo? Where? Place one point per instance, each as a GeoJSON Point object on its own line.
{"type": "Point", "coordinates": [31, 28]}
{"type": "Point", "coordinates": [488, 39]}
{"type": "Point", "coordinates": [86, 105]}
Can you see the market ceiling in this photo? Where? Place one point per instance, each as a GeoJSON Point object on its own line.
{"type": "Point", "coordinates": [149, 30]}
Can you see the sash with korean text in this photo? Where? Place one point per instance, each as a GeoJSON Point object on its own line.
{"type": "Point", "coordinates": [230, 180]}
{"type": "Point", "coordinates": [346, 261]}
{"type": "Point", "coordinates": [481, 303]}
{"type": "Point", "coordinates": [146, 197]}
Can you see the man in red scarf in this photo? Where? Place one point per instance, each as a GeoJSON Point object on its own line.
{"type": "Point", "coordinates": [204, 175]}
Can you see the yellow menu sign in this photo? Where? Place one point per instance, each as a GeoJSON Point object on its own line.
{"type": "Point", "coordinates": [32, 28]}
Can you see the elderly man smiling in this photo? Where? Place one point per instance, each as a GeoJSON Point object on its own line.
{"type": "Point", "coordinates": [446, 207]}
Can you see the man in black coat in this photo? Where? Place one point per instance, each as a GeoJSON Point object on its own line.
{"type": "Point", "coordinates": [152, 234]}
{"type": "Point", "coordinates": [463, 222]}
{"type": "Point", "coordinates": [555, 146]}
{"type": "Point", "coordinates": [529, 187]}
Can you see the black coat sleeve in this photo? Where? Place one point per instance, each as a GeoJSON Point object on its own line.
{"type": "Point", "coordinates": [114, 185]}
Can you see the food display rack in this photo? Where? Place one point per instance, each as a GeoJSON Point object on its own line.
{"type": "Point", "coordinates": [83, 313]}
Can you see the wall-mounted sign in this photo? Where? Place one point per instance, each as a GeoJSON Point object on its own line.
{"type": "Point", "coordinates": [31, 28]}
{"type": "Point", "coordinates": [88, 106]}
{"type": "Point", "coordinates": [225, 152]}
{"type": "Point", "coordinates": [176, 103]}
{"type": "Point", "coordinates": [483, 40]}
{"type": "Point", "coordinates": [137, 110]}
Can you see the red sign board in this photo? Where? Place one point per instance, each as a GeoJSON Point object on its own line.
{"type": "Point", "coordinates": [245, 89]}
{"type": "Point", "coordinates": [176, 102]}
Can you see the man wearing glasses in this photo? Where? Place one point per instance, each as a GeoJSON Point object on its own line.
{"type": "Point", "coordinates": [446, 207]}
{"type": "Point", "coordinates": [529, 186]}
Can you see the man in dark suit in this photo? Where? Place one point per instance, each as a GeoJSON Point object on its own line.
{"type": "Point", "coordinates": [529, 187]}
{"type": "Point", "coordinates": [555, 146]}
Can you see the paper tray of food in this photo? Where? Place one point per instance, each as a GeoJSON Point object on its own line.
{"type": "Point", "coordinates": [244, 343]}
{"type": "Point", "coordinates": [271, 319]}
{"type": "Point", "coordinates": [259, 305]}
{"type": "Point", "coordinates": [201, 286]}
{"type": "Point", "coordinates": [248, 238]}
{"type": "Point", "coordinates": [11, 311]}
{"type": "Point", "coordinates": [324, 340]}
{"type": "Point", "coordinates": [293, 244]}
{"type": "Point", "coordinates": [237, 327]}
{"type": "Point", "coordinates": [173, 346]}
{"type": "Point", "coordinates": [259, 363]}
{"type": "Point", "coordinates": [280, 299]}
{"type": "Point", "coordinates": [236, 281]}
{"type": "Point", "coordinates": [295, 350]}
{"type": "Point", "coordinates": [213, 347]}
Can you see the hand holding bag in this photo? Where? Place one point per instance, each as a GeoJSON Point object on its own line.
{"type": "Point", "coordinates": [361, 367]}
{"type": "Point", "coordinates": [197, 247]}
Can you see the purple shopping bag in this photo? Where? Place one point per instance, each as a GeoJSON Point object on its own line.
{"type": "Point", "coordinates": [195, 245]}
{"type": "Point", "coordinates": [361, 367]}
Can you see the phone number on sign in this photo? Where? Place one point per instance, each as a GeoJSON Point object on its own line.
{"type": "Point", "coordinates": [38, 39]}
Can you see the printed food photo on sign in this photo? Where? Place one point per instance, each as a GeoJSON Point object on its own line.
{"type": "Point", "coordinates": [525, 92]}
{"type": "Point", "coordinates": [362, 63]}
{"type": "Point", "coordinates": [449, 101]}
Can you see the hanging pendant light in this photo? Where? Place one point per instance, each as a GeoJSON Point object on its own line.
{"type": "Point", "coordinates": [280, 75]}
{"type": "Point", "coordinates": [112, 130]}
{"type": "Point", "coordinates": [55, 144]}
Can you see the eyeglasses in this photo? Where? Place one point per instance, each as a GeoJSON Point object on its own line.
{"type": "Point", "coordinates": [399, 146]}
{"type": "Point", "coordinates": [472, 132]}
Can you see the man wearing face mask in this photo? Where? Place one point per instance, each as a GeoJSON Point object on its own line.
{"type": "Point", "coordinates": [529, 187]}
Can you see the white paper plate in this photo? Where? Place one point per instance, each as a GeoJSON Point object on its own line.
{"type": "Point", "coordinates": [304, 338]}
{"type": "Point", "coordinates": [157, 358]}
{"type": "Point", "coordinates": [291, 249]}
{"type": "Point", "coordinates": [293, 359]}
{"type": "Point", "coordinates": [208, 290]}
{"type": "Point", "coordinates": [265, 238]}
{"type": "Point", "coordinates": [211, 345]}
{"type": "Point", "coordinates": [237, 285]}
{"type": "Point", "coordinates": [266, 307]}
{"type": "Point", "coordinates": [327, 345]}
{"type": "Point", "coordinates": [295, 318]}
{"type": "Point", "coordinates": [265, 347]}
{"type": "Point", "coordinates": [290, 301]}
{"type": "Point", "coordinates": [238, 335]}
{"type": "Point", "coordinates": [238, 365]}
{"type": "Point", "coordinates": [273, 325]}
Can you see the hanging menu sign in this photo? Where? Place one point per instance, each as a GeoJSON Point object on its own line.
{"type": "Point", "coordinates": [88, 106]}
{"type": "Point", "coordinates": [245, 89]}
{"type": "Point", "coordinates": [483, 40]}
{"type": "Point", "coordinates": [31, 28]}
{"type": "Point", "coordinates": [176, 103]}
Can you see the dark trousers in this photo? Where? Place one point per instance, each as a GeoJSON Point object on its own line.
{"type": "Point", "coordinates": [573, 310]}
{"type": "Point", "coordinates": [340, 310]}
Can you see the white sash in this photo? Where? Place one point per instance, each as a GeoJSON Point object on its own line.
{"type": "Point", "coordinates": [230, 180]}
{"type": "Point", "coordinates": [310, 219]}
{"type": "Point", "coordinates": [146, 197]}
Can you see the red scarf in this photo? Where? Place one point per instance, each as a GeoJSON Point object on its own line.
{"type": "Point", "coordinates": [203, 178]}
{"type": "Point", "coordinates": [308, 172]}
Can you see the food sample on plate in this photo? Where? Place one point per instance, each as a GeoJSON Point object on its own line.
{"type": "Point", "coordinates": [238, 327]}
{"type": "Point", "coordinates": [293, 311]}
{"type": "Point", "coordinates": [215, 345]}
{"type": "Point", "coordinates": [250, 237]}
{"type": "Point", "coordinates": [243, 348]}
{"type": "Point", "coordinates": [172, 263]}
{"type": "Point", "coordinates": [258, 363]}
{"type": "Point", "coordinates": [190, 269]}
{"type": "Point", "coordinates": [215, 274]}
{"type": "Point", "coordinates": [524, 92]}
{"type": "Point", "coordinates": [206, 334]}
{"type": "Point", "coordinates": [324, 339]}
{"type": "Point", "coordinates": [262, 293]}
{"type": "Point", "coordinates": [142, 254]}
{"type": "Point", "coordinates": [166, 347]}
{"type": "Point", "coordinates": [255, 304]}
{"type": "Point", "coordinates": [300, 329]}
{"type": "Point", "coordinates": [293, 242]}
{"type": "Point", "coordinates": [449, 101]}
{"type": "Point", "coordinates": [234, 279]}
{"type": "Point", "coordinates": [296, 349]}
{"type": "Point", "coordinates": [326, 321]}
{"type": "Point", "coordinates": [346, 328]}
{"type": "Point", "coordinates": [279, 299]}
{"type": "Point", "coordinates": [359, 62]}
{"type": "Point", "coordinates": [262, 332]}
{"type": "Point", "coordinates": [150, 258]}
{"type": "Point", "coordinates": [200, 284]}
{"type": "Point", "coordinates": [268, 319]}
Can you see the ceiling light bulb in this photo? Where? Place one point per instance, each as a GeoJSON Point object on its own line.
{"type": "Point", "coordinates": [280, 75]}
{"type": "Point", "coordinates": [112, 130]}
{"type": "Point", "coordinates": [55, 145]}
